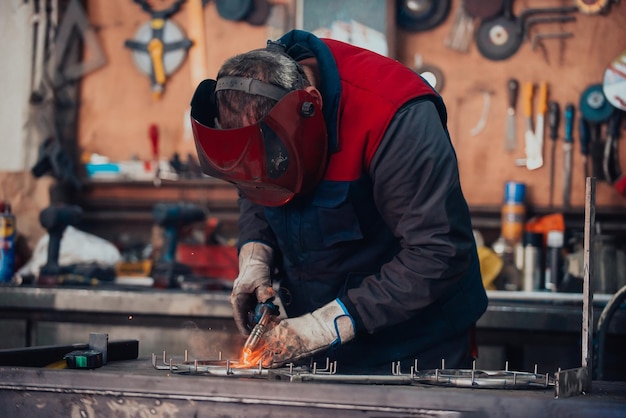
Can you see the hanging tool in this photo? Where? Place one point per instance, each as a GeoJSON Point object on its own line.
{"type": "Point", "coordinates": [612, 170]}
{"type": "Point", "coordinates": [554, 116]}
{"type": "Point", "coordinates": [75, 21]}
{"type": "Point", "coordinates": [159, 46]}
{"type": "Point", "coordinates": [593, 7]}
{"type": "Point", "coordinates": [481, 9]}
{"type": "Point", "coordinates": [153, 134]}
{"type": "Point", "coordinates": [528, 89]}
{"type": "Point", "coordinates": [596, 110]}
{"type": "Point", "coordinates": [461, 31]}
{"type": "Point", "coordinates": [511, 141]}
{"type": "Point", "coordinates": [482, 122]}
{"type": "Point", "coordinates": [536, 38]}
{"type": "Point", "coordinates": [500, 37]}
{"type": "Point", "coordinates": [542, 108]}
{"type": "Point", "coordinates": [419, 16]}
{"type": "Point", "coordinates": [567, 153]}
{"type": "Point", "coordinates": [614, 82]}
{"type": "Point", "coordinates": [531, 21]}
{"type": "Point", "coordinates": [584, 144]}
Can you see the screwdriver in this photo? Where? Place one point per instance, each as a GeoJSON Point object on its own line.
{"type": "Point", "coordinates": [567, 154]}
{"type": "Point", "coordinates": [584, 144]}
{"type": "Point", "coordinates": [554, 117]}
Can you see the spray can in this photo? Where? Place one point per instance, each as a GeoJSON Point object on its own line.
{"type": "Point", "coordinates": [513, 212]}
{"type": "Point", "coordinates": [7, 243]}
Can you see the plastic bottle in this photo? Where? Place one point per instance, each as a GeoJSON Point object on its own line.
{"type": "Point", "coordinates": [508, 245]}
{"type": "Point", "coordinates": [533, 270]}
{"type": "Point", "coordinates": [554, 260]}
{"type": "Point", "coordinates": [7, 243]}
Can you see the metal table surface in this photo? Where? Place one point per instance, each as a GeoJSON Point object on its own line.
{"type": "Point", "coordinates": [521, 328]}
{"type": "Point", "coordinates": [135, 388]}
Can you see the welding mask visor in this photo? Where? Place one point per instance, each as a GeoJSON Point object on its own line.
{"type": "Point", "coordinates": [281, 156]}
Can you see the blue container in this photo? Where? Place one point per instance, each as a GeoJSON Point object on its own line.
{"type": "Point", "coordinates": [7, 243]}
{"type": "Point", "coordinates": [514, 192]}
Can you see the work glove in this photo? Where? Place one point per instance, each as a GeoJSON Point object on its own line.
{"type": "Point", "coordinates": [253, 285]}
{"type": "Point", "coordinates": [297, 338]}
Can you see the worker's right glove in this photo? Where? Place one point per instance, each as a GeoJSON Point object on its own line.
{"type": "Point", "coordinates": [253, 285]}
{"type": "Point", "coordinates": [294, 339]}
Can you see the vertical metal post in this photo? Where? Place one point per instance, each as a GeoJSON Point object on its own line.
{"type": "Point", "coordinates": [588, 262]}
{"type": "Point", "coordinates": [577, 381]}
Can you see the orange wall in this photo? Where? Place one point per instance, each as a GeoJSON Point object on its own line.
{"type": "Point", "coordinates": [117, 106]}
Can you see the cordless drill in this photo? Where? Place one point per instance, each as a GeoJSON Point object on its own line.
{"type": "Point", "coordinates": [55, 219]}
{"type": "Point", "coordinates": [172, 217]}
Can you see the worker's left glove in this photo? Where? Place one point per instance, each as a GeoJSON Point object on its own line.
{"type": "Point", "coordinates": [296, 338]}
{"type": "Point", "coordinates": [254, 283]}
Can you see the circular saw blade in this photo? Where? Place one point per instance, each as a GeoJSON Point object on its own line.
{"type": "Point", "coordinates": [498, 39]}
{"type": "Point", "coordinates": [614, 82]}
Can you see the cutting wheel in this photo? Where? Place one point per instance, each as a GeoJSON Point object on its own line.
{"type": "Point", "coordinates": [421, 15]}
{"type": "Point", "coordinates": [593, 7]}
{"type": "Point", "coordinates": [593, 104]}
{"type": "Point", "coordinates": [172, 59]}
{"type": "Point", "coordinates": [498, 39]}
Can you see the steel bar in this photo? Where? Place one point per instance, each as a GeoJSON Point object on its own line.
{"type": "Point", "coordinates": [589, 265]}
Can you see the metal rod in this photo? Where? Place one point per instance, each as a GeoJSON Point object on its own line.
{"type": "Point", "coordinates": [588, 262]}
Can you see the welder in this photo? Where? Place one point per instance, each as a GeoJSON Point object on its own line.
{"type": "Point", "coordinates": [351, 208]}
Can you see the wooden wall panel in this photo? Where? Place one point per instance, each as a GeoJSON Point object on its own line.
{"type": "Point", "coordinates": [117, 106]}
{"type": "Point", "coordinates": [571, 66]}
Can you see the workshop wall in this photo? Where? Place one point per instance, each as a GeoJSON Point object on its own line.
{"type": "Point", "coordinates": [117, 105]}
{"type": "Point", "coordinates": [569, 66]}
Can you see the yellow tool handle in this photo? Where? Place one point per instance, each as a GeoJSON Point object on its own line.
{"type": "Point", "coordinates": [155, 47]}
{"type": "Point", "coordinates": [527, 96]}
{"type": "Point", "coordinates": [542, 106]}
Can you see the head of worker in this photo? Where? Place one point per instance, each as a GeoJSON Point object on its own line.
{"type": "Point", "coordinates": [260, 126]}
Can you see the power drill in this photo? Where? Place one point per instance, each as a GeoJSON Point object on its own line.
{"type": "Point", "coordinates": [262, 314]}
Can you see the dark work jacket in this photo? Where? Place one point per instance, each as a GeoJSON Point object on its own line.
{"type": "Point", "coordinates": [387, 230]}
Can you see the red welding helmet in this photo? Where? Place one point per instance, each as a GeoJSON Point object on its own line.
{"type": "Point", "coordinates": [282, 156]}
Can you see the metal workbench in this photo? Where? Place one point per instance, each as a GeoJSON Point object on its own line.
{"type": "Point", "coordinates": [133, 388]}
{"type": "Point", "coordinates": [521, 328]}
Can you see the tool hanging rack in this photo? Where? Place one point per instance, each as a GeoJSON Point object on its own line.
{"type": "Point", "coordinates": [471, 378]}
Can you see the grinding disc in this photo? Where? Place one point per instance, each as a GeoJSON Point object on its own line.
{"type": "Point", "coordinates": [421, 15]}
{"type": "Point", "coordinates": [592, 7]}
{"type": "Point", "coordinates": [483, 9]}
{"type": "Point", "coordinates": [614, 82]}
{"type": "Point", "coordinates": [594, 106]}
{"type": "Point", "coordinates": [259, 13]}
{"type": "Point", "coordinates": [233, 9]}
{"type": "Point", "coordinates": [498, 39]}
{"type": "Point", "coordinates": [433, 75]}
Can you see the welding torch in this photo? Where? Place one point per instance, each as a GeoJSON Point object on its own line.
{"type": "Point", "coordinates": [262, 314]}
